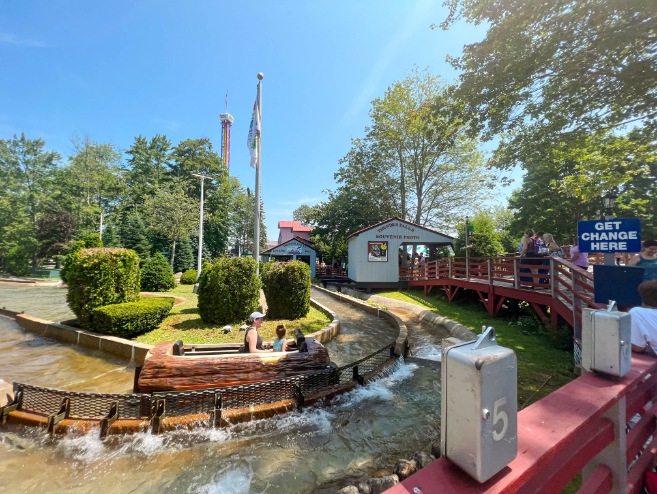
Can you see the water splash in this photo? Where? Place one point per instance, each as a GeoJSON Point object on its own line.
{"type": "Point", "coordinates": [429, 351]}
{"type": "Point", "coordinates": [230, 481]}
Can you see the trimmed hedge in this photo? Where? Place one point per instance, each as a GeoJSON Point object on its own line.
{"type": "Point", "coordinates": [287, 289]}
{"type": "Point", "coordinates": [98, 277]}
{"type": "Point", "coordinates": [229, 290]}
{"type": "Point", "coordinates": [157, 276]}
{"type": "Point", "coordinates": [132, 318]}
{"type": "Point", "coordinates": [189, 277]}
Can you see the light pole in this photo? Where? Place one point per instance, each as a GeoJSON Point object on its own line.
{"type": "Point", "coordinates": [200, 228]}
{"type": "Point", "coordinates": [608, 201]}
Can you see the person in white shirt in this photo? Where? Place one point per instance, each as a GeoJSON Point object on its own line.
{"type": "Point", "coordinates": [644, 319]}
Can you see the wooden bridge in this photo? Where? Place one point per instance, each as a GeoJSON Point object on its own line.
{"type": "Point", "coordinates": [554, 288]}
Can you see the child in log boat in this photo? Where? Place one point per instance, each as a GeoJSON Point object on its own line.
{"type": "Point", "coordinates": [252, 340]}
{"type": "Point", "coordinates": [280, 344]}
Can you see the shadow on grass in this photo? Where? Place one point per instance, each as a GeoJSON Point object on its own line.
{"type": "Point", "coordinates": [189, 310]}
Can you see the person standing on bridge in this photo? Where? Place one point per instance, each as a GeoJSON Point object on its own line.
{"type": "Point", "coordinates": [578, 258]}
{"type": "Point", "coordinates": [528, 250]}
{"type": "Point", "coordinates": [647, 259]}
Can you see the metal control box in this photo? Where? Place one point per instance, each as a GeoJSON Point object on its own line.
{"type": "Point", "coordinates": [479, 406]}
{"type": "Point", "coordinates": [608, 334]}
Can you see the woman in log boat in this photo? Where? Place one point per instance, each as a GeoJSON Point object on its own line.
{"type": "Point", "coordinates": [252, 340]}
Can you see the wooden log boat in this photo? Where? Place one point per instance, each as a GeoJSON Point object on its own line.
{"type": "Point", "coordinates": [174, 366]}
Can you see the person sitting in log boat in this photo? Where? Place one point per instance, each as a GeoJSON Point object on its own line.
{"type": "Point", "coordinates": [280, 343]}
{"type": "Point", "coordinates": [253, 342]}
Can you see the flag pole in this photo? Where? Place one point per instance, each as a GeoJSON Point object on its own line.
{"type": "Point", "coordinates": [256, 242]}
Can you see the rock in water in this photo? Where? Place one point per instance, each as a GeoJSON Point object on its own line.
{"type": "Point", "coordinates": [404, 469]}
{"type": "Point", "coordinates": [364, 488]}
{"type": "Point", "coordinates": [380, 484]}
{"type": "Point", "coordinates": [435, 449]}
{"type": "Point", "coordinates": [422, 459]}
{"type": "Point", "coordinates": [350, 489]}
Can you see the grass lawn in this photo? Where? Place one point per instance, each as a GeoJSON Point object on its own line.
{"type": "Point", "coordinates": [538, 359]}
{"type": "Point", "coordinates": [184, 323]}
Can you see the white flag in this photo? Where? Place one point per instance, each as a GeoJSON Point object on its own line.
{"type": "Point", "coordinates": [254, 134]}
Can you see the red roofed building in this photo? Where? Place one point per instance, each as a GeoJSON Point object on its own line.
{"type": "Point", "coordinates": [290, 229]}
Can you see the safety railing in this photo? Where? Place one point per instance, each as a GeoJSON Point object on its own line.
{"type": "Point", "coordinates": [606, 429]}
{"type": "Point", "coordinates": [329, 271]}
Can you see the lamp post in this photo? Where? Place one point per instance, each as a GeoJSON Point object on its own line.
{"type": "Point", "coordinates": [608, 201]}
{"type": "Point", "coordinates": [200, 228]}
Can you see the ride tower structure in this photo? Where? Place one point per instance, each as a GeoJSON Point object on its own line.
{"type": "Point", "coordinates": [226, 123]}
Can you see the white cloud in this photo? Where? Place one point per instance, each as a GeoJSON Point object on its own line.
{"type": "Point", "coordinates": [11, 39]}
{"type": "Point", "coordinates": [303, 200]}
{"type": "Point", "coordinates": [171, 125]}
{"type": "Point", "coordinates": [417, 19]}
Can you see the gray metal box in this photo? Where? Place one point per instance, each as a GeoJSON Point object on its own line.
{"type": "Point", "coordinates": [611, 336]}
{"type": "Point", "coordinates": [479, 406]}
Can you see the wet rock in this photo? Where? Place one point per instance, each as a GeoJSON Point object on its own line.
{"type": "Point", "coordinates": [422, 459]}
{"type": "Point", "coordinates": [380, 484]}
{"type": "Point", "coordinates": [404, 469]}
{"type": "Point", "coordinates": [350, 489]}
{"type": "Point", "coordinates": [435, 449]}
{"type": "Point", "coordinates": [364, 488]}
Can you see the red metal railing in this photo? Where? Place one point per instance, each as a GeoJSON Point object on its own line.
{"type": "Point", "coordinates": [585, 426]}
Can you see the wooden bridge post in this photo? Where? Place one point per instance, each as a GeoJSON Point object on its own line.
{"type": "Point", "coordinates": [577, 302]}
{"type": "Point", "coordinates": [490, 271]}
{"type": "Point", "coordinates": [615, 455]}
{"type": "Point", "coordinates": [515, 273]}
{"type": "Point", "coordinates": [467, 268]}
{"type": "Point", "coordinates": [552, 277]}
{"type": "Point", "coordinates": [449, 260]}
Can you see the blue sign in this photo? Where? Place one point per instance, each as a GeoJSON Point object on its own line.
{"type": "Point", "coordinates": [617, 235]}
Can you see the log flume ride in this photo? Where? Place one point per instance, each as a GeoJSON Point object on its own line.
{"type": "Point", "coordinates": [189, 386]}
{"type": "Point", "coordinates": [174, 366]}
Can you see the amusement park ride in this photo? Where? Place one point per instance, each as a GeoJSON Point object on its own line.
{"type": "Point", "coordinates": [226, 123]}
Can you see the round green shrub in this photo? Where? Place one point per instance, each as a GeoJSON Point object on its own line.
{"type": "Point", "coordinates": [229, 290]}
{"type": "Point", "coordinates": [157, 275]}
{"type": "Point", "coordinates": [189, 277]}
{"type": "Point", "coordinates": [131, 318]}
{"type": "Point", "coordinates": [287, 289]}
{"type": "Point", "coordinates": [98, 277]}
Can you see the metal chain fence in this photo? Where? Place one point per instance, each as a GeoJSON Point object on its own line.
{"type": "Point", "coordinates": [140, 406]}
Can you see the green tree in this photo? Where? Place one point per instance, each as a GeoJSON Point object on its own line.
{"type": "Point", "coordinates": [172, 214]}
{"type": "Point", "coordinates": [485, 240]}
{"type": "Point", "coordinates": [149, 162]}
{"type": "Point", "coordinates": [53, 232]}
{"type": "Point", "coordinates": [549, 69]}
{"type": "Point", "coordinates": [242, 222]}
{"type": "Point", "coordinates": [303, 214]}
{"type": "Point", "coordinates": [157, 276]}
{"type": "Point", "coordinates": [132, 231]}
{"type": "Point", "coordinates": [437, 168]}
{"type": "Point", "coordinates": [184, 257]}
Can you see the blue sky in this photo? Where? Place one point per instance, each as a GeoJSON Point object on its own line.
{"type": "Point", "coordinates": [115, 70]}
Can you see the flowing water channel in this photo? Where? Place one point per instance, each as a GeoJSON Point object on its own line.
{"type": "Point", "coordinates": [315, 451]}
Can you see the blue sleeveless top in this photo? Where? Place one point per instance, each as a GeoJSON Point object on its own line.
{"type": "Point", "coordinates": [649, 268]}
{"type": "Point", "coordinates": [278, 345]}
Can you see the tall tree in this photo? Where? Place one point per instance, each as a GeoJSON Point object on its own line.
{"type": "Point", "coordinates": [27, 170]}
{"type": "Point", "coordinates": [419, 156]}
{"type": "Point", "coordinates": [172, 214]}
{"type": "Point", "coordinates": [550, 71]}
{"type": "Point", "coordinates": [149, 161]}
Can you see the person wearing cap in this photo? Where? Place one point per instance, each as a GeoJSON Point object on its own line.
{"type": "Point", "coordinates": [252, 340]}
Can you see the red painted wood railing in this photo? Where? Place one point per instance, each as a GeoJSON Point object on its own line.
{"type": "Point", "coordinates": [330, 271]}
{"type": "Point", "coordinates": [569, 286]}
{"type": "Point", "coordinates": [585, 426]}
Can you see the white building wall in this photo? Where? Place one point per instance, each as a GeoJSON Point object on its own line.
{"type": "Point", "coordinates": [395, 232]}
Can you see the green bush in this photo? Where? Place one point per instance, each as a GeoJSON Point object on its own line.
{"type": "Point", "coordinates": [99, 277]}
{"type": "Point", "coordinates": [157, 275]}
{"type": "Point", "coordinates": [229, 290]}
{"type": "Point", "coordinates": [189, 277]}
{"type": "Point", "coordinates": [287, 289]}
{"type": "Point", "coordinates": [131, 318]}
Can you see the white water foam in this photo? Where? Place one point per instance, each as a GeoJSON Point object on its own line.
{"type": "Point", "coordinates": [429, 351]}
{"type": "Point", "coordinates": [378, 390]}
{"type": "Point", "coordinates": [230, 481]}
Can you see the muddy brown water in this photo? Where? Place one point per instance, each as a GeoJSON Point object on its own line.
{"type": "Point", "coordinates": [315, 451]}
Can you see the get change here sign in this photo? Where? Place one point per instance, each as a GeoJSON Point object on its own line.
{"type": "Point", "coordinates": [617, 235]}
